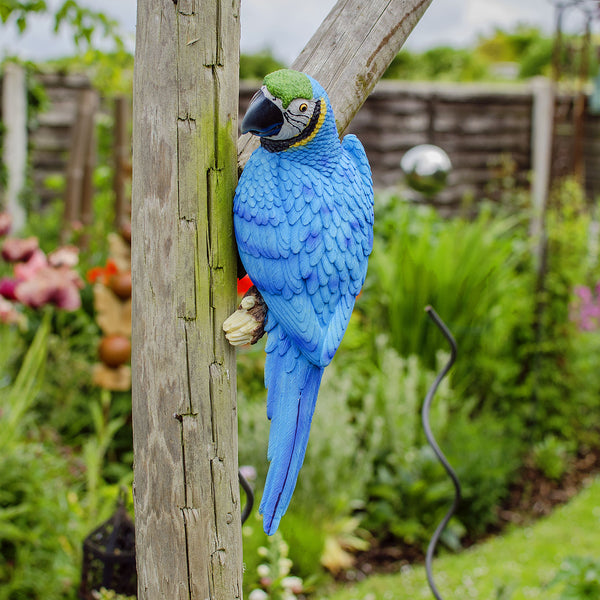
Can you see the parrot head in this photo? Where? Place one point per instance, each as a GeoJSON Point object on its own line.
{"type": "Point", "coordinates": [288, 110]}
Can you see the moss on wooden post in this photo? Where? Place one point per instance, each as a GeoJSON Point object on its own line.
{"type": "Point", "coordinates": [188, 533]}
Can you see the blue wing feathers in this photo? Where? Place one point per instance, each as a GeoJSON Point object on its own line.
{"type": "Point", "coordinates": [304, 233]}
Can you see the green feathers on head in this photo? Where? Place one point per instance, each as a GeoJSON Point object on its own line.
{"type": "Point", "coordinates": [287, 85]}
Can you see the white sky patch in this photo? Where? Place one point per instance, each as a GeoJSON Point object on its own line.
{"type": "Point", "coordinates": [39, 41]}
{"type": "Point", "coordinates": [486, 15]}
{"type": "Point", "coordinates": [443, 24]}
{"type": "Point", "coordinates": [285, 26]}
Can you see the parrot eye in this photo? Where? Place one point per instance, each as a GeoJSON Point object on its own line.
{"type": "Point", "coordinates": [303, 107]}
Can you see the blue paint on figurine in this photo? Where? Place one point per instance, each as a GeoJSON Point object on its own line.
{"type": "Point", "coordinates": [303, 215]}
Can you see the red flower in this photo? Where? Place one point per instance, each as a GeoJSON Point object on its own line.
{"type": "Point", "coordinates": [243, 285]}
{"type": "Point", "coordinates": [103, 274]}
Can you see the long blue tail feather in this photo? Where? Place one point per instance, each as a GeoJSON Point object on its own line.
{"type": "Point", "coordinates": [293, 385]}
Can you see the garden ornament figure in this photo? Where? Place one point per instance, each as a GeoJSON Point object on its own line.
{"type": "Point", "coordinates": [303, 216]}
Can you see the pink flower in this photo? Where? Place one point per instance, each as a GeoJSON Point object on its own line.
{"type": "Point", "coordinates": [40, 280]}
{"type": "Point", "coordinates": [27, 270]}
{"type": "Point", "coordinates": [585, 310]}
{"type": "Point", "coordinates": [248, 472]}
{"type": "Point", "coordinates": [19, 250]}
{"type": "Point", "coordinates": [7, 288]}
{"type": "Point", "coordinates": [583, 292]}
{"type": "Point", "coordinates": [5, 223]}
{"type": "Point", "coordinates": [66, 256]}
{"type": "Point", "coordinates": [586, 324]}
{"type": "Point", "coordinates": [51, 286]}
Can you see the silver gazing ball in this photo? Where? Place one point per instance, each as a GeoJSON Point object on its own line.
{"type": "Point", "coordinates": [426, 168]}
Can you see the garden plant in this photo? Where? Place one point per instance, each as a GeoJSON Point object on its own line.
{"type": "Point", "coordinates": [521, 399]}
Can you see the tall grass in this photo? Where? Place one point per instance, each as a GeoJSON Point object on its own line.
{"type": "Point", "coordinates": [471, 272]}
{"type": "Point", "coordinates": [50, 495]}
{"type": "Point", "coordinates": [17, 398]}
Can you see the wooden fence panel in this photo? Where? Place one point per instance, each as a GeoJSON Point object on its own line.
{"type": "Point", "coordinates": [478, 125]}
{"type": "Point", "coordinates": [51, 134]}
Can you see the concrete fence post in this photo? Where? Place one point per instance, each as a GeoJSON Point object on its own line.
{"type": "Point", "coordinates": [14, 152]}
{"type": "Point", "coordinates": [542, 131]}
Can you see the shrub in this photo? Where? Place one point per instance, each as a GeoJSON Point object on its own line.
{"type": "Point", "coordinates": [471, 272]}
{"type": "Point", "coordinates": [38, 547]}
{"type": "Point", "coordinates": [485, 452]}
{"type": "Point", "coordinates": [409, 491]}
{"type": "Point", "coordinates": [39, 530]}
{"type": "Point", "coordinates": [552, 456]}
{"type": "Point", "coordinates": [579, 578]}
{"type": "Point", "coordinates": [256, 66]}
{"type": "Point", "coordinates": [65, 399]}
{"type": "Point", "coordinates": [557, 350]}
{"type": "Point", "coordinates": [50, 493]}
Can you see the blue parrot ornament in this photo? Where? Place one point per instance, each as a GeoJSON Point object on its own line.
{"type": "Point", "coordinates": [303, 218]}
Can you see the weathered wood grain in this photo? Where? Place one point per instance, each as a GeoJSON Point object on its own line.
{"type": "Point", "coordinates": [188, 531]}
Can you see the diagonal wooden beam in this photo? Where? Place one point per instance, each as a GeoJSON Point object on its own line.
{"type": "Point", "coordinates": [349, 53]}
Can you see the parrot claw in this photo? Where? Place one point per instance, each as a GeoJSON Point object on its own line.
{"type": "Point", "coordinates": [247, 324]}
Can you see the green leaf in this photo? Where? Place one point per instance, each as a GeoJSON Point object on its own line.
{"type": "Point", "coordinates": [21, 394]}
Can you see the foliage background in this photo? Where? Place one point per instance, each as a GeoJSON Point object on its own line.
{"type": "Point", "coordinates": [524, 390]}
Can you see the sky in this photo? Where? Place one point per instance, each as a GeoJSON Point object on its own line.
{"type": "Point", "coordinates": [266, 24]}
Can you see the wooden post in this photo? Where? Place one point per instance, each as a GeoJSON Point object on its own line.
{"type": "Point", "coordinates": [121, 153]}
{"type": "Point", "coordinates": [580, 105]}
{"type": "Point", "coordinates": [78, 194]}
{"type": "Point", "coordinates": [87, 182]}
{"type": "Point", "coordinates": [14, 154]}
{"type": "Point", "coordinates": [350, 51]}
{"type": "Point", "coordinates": [187, 505]}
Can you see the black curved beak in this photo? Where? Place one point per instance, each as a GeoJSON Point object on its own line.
{"type": "Point", "coordinates": [263, 117]}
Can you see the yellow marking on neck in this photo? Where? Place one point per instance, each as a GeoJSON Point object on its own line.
{"type": "Point", "coordinates": [317, 126]}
